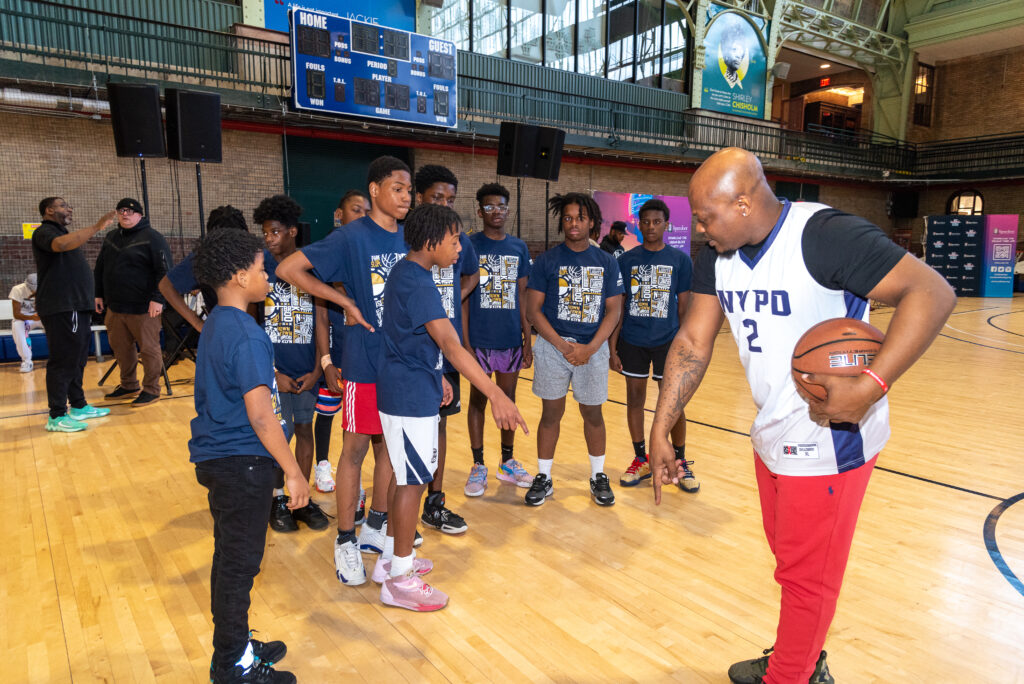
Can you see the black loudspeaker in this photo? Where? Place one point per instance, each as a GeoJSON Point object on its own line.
{"type": "Point", "coordinates": [549, 153]}
{"type": "Point", "coordinates": [193, 125]}
{"type": "Point", "coordinates": [135, 114]}
{"type": "Point", "coordinates": [904, 204]}
{"type": "Point", "coordinates": [516, 145]}
{"type": "Point", "coordinates": [530, 151]}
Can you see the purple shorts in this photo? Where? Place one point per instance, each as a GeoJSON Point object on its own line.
{"type": "Point", "coordinates": [500, 360]}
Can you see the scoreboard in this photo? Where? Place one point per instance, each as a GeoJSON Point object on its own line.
{"type": "Point", "coordinates": [341, 66]}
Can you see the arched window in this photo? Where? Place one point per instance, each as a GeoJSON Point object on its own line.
{"type": "Point", "coordinates": [965, 203]}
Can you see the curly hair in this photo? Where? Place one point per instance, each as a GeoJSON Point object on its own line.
{"type": "Point", "coordinates": [492, 190]}
{"type": "Point", "coordinates": [382, 167]}
{"type": "Point", "coordinates": [280, 208]}
{"type": "Point", "coordinates": [349, 195]}
{"type": "Point", "coordinates": [226, 217]}
{"type": "Point", "coordinates": [433, 173]}
{"type": "Point", "coordinates": [558, 204]}
{"type": "Point", "coordinates": [222, 254]}
{"type": "Point", "coordinates": [428, 224]}
{"type": "Point", "coordinates": [653, 205]}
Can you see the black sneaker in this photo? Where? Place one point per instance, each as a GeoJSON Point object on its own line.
{"type": "Point", "coordinates": [436, 515]}
{"type": "Point", "coordinates": [145, 399]}
{"type": "Point", "coordinates": [281, 519]}
{"type": "Point", "coordinates": [257, 673]}
{"type": "Point", "coordinates": [754, 671]}
{"type": "Point", "coordinates": [121, 393]}
{"type": "Point", "coordinates": [540, 490]}
{"type": "Point", "coordinates": [269, 652]}
{"type": "Point", "coordinates": [361, 510]}
{"type": "Point", "coordinates": [601, 490]}
{"type": "Point", "coordinates": [312, 515]}
{"type": "Point", "coordinates": [688, 482]}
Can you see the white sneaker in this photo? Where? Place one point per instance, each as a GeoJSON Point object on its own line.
{"type": "Point", "coordinates": [348, 564]}
{"type": "Point", "coordinates": [324, 480]}
{"type": "Point", "coordinates": [371, 540]}
{"type": "Point", "coordinates": [26, 367]}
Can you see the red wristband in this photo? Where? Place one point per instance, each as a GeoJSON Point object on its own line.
{"type": "Point", "coordinates": [877, 378]}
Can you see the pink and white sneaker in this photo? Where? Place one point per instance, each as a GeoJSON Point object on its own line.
{"type": "Point", "coordinates": [513, 472]}
{"type": "Point", "coordinates": [410, 592]}
{"type": "Point", "coordinates": [382, 568]}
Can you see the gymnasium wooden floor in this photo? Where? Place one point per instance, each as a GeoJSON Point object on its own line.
{"type": "Point", "coordinates": [106, 565]}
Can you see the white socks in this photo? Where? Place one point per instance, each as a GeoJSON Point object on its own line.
{"type": "Point", "coordinates": [389, 548]}
{"type": "Point", "coordinates": [596, 465]}
{"type": "Point", "coordinates": [278, 492]}
{"type": "Point", "coordinates": [544, 466]}
{"type": "Point", "coordinates": [401, 565]}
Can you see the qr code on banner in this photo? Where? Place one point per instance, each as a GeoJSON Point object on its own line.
{"type": "Point", "coordinates": [1001, 252]}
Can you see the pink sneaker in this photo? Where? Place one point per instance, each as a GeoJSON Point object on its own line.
{"type": "Point", "coordinates": [512, 471]}
{"type": "Point", "coordinates": [382, 568]}
{"type": "Point", "coordinates": [412, 593]}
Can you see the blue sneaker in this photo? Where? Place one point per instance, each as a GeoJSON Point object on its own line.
{"type": "Point", "coordinates": [87, 412]}
{"type": "Point", "coordinates": [64, 424]}
{"type": "Point", "coordinates": [476, 485]}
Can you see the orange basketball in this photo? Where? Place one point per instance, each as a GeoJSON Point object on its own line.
{"type": "Point", "coordinates": [838, 346]}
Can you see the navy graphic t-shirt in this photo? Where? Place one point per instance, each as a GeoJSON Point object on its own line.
{"type": "Point", "coordinates": [575, 287]}
{"type": "Point", "coordinates": [234, 357]}
{"type": "Point", "coordinates": [494, 305]}
{"type": "Point", "coordinates": [654, 280]}
{"type": "Point", "coordinates": [289, 321]}
{"type": "Point", "coordinates": [409, 376]}
{"type": "Point", "coordinates": [450, 287]}
{"type": "Point", "coordinates": [360, 257]}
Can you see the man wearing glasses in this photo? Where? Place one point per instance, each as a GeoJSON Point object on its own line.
{"type": "Point", "coordinates": [133, 260]}
{"type": "Point", "coordinates": [499, 333]}
{"type": "Point", "coordinates": [573, 301]}
{"type": "Point", "coordinates": [64, 303]}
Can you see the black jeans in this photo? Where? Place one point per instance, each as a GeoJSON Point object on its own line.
{"type": "Point", "coordinates": [240, 492]}
{"type": "Point", "coordinates": [67, 336]}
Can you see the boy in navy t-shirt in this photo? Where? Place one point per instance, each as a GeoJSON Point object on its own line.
{"type": "Point", "coordinates": [289, 321]}
{"type": "Point", "coordinates": [499, 333]}
{"type": "Point", "coordinates": [437, 185]}
{"type": "Point", "coordinates": [657, 289]}
{"type": "Point", "coordinates": [573, 301]}
{"type": "Point", "coordinates": [238, 446]}
{"type": "Point", "coordinates": [359, 257]}
{"type": "Point", "coordinates": [417, 337]}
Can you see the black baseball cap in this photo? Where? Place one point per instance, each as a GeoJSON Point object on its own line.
{"type": "Point", "coordinates": [129, 203]}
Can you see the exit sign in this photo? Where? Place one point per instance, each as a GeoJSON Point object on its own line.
{"type": "Point", "coordinates": [825, 82]}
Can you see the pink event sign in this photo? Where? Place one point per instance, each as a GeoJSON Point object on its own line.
{"type": "Point", "coordinates": [623, 206]}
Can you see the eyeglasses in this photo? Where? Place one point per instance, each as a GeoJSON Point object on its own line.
{"type": "Point", "coordinates": [125, 211]}
{"type": "Point", "coordinates": [495, 208]}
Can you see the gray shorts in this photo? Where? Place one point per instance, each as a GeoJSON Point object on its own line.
{"type": "Point", "coordinates": [552, 375]}
{"type": "Point", "coordinates": [296, 409]}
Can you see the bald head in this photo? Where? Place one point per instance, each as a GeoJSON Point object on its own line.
{"type": "Point", "coordinates": [731, 200]}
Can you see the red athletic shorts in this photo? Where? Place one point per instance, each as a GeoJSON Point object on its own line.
{"type": "Point", "coordinates": [359, 413]}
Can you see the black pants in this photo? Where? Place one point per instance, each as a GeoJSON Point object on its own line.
{"type": "Point", "coordinates": [240, 489]}
{"type": "Point", "coordinates": [67, 336]}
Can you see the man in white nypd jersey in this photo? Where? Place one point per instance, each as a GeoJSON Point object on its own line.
{"type": "Point", "coordinates": [774, 269]}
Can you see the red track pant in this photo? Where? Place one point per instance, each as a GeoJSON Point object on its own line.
{"type": "Point", "coordinates": [809, 523]}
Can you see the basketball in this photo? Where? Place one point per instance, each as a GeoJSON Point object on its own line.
{"type": "Point", "coordinates": [838, 346]}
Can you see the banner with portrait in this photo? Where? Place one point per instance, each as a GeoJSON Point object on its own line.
{"type": "Point", "coordinates": [625, 206]}
{"type": "Point", "coordinates": [735, 67]}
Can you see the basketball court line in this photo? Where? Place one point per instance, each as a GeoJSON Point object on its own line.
{"type": "Point", "coordinates": [979, 344]}
{"type": "Point", "coordinates": [984, 308]}
{"type": "Point", "coordinates": [46, 411]}
{"type": "Point", "coordinates": [1011, 332]}
{"type": "Point", "coordinates": [989, 535]}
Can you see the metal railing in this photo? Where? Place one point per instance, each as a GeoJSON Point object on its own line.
{"type": "Point", "coordinates": [92, 42]}
{"type": "Point", "coordinates": [124, 47]}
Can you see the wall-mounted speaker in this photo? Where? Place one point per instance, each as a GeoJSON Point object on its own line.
{"type": "Point", "coordinates": [193, 125]}
{"type": "Point", "coordinates": [530, 151]}
{"type": "Point", "coordinates": [135, 115]}
{"type": "Point", "coordinates": [903, 204]}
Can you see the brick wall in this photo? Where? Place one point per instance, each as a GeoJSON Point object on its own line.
{"type": "Point", "coordinates": [978, 95]}
{"type": "Point", "coordinates": [44, 155]}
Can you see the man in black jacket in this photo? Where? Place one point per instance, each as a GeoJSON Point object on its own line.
{"type": "Point", "coordinates": [128, 270]}
{"type": "Point", "coordinates": [612, 242]}
{"type": "Point", "coordinates": [64, 302]}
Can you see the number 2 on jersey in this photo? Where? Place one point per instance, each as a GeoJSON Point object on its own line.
{"type": "Point", "coordinates": [752, 325]}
